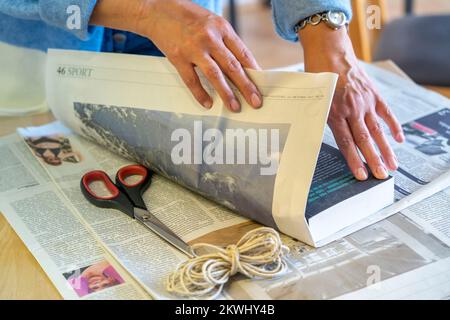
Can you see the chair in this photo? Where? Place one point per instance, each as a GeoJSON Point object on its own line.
{"type": "Point", "coordinates": [233, 15]}
{"type": "Point", "coordinates": [420, 45]}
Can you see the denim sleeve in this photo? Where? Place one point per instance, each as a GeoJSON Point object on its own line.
{"type": "Point", "coordinates": [287, 13]}
{"type": "Point", "coordinates": [54, 12]}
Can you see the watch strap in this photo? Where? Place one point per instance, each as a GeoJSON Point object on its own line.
{"type": "Point", "coordinates": [313, 20]}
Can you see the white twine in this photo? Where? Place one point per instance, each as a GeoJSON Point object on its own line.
{"type": "Point", "coordinates": [258, 254]}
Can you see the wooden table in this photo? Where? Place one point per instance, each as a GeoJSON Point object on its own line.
{"type": "Point", "coordinates": [21, 277]}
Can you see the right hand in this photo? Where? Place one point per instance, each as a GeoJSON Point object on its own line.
{"type": "Point", "coordinates": [191, 36]}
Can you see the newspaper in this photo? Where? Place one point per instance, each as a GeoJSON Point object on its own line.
{"type": "Point", "coordinates": [424, 158]}
{"type": "Point", "coordinates": [371, 263]}
{"type": "Point", "coordinates": [424, 116]}
{"type": "Point", "coordinates": [128, 245]}
{"type": "Point", "coordinates": [61, 242]}
{"type": "Point", "coordinates": [271, 182]}
{"type": "Point", "coordinates": [251, 162]}
{"type": "Point", "coordinates": [365, 259]}
{"type": "Point", "coordinates": [404, 256]}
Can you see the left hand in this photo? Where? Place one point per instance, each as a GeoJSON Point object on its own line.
{"type": "Point", "coordinates": [356, 105]}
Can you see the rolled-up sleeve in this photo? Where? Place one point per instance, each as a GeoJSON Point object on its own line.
{"type": "Point", "coordinates": [70, 15]}
{"type": "Point", "coordinates": [287, 13]}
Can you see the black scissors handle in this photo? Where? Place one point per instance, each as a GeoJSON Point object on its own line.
{"type": "Point", "coordinates": [124, 196]}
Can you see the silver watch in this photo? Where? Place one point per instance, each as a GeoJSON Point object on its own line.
{"type": "Point", "coordinates": [334, 19]}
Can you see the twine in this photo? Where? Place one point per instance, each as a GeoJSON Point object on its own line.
{"type": "Point", "coordinates": [258, 254]}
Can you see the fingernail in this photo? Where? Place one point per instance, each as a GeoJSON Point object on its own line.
{"type": "Point", "coordinates": [256, 100]}
{"type": "Point", "coordinates": [400, 137]}
{"type": "Point", "coordinates": [361, 174]}
{"type": "Point", "coordinates": [235, 106]}
{"type": "Point", "coordinates": [207, 104]}
{"type": "Point", "coordinates": [393, 163]}
{"type": "Point", "coordinates": [381, 172]}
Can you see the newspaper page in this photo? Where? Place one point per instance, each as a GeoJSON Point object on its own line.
{"type": "Point", "coordinates": [371, 256]}
{"type": "Point", "coordinates": [404, 256]}
{"type": "Point", "coordinates": [372, 262]}
{"type": "Point", "coordinates": [425, 118]}
{"type": "Point", "coordinates": [142, 253]}
{"type": "Point", "coordinates": [71, 256]}
{"type": "Point", "coordinates": [398, 255]}
{"type": "Point", "coordinates": [409, 102]}
{"type": "Point", "coordinates": [424, 115]}
{"type": "Point", "coordinates": [424, 157]}
{"type": "Point", "coordinates": [251, 162]}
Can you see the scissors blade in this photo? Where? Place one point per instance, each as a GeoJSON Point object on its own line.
{"type": "Point", "coordinates": [155, 225]}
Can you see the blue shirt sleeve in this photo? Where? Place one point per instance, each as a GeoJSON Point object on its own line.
{"type": "Point", "coordinates": [287, 13]}
{"type": "Point", "coordinates": [54, 13]}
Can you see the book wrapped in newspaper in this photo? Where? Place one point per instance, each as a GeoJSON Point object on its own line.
{"type": "Point", "coordinates": [259, 163]}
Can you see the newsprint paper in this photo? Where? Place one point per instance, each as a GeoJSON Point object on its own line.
{"type": "Point", "coordinates": [92, 253]}
{"type": "Point", "coordinates": [265, 176]}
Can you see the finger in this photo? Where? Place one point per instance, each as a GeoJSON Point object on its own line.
{"type": "Point", "coordinates": [233, 69]}
{"type": "Point", "coordinates": [386, 114]}
{"type": "Point", "coordinates": [362, 139]}
{"type": "Point", "coordinates": [215, 76]}
{"type": "Point", "coordinates": [192, 81]}
{"type": "Point", "coordinates": [344, 140]}
{"type": "Point", "coordinates": [376, 131]}
{"type": "Point", "coordinates": [240, 50]}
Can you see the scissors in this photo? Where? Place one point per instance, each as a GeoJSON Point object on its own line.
{"type": "Point", "coordinates": [127, 197]}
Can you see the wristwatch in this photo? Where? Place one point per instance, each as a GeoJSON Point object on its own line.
{"type": "Point", "coordinates": [334, 19]}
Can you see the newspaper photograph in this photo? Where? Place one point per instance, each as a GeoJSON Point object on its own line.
{"type": "Point", "coordinates": [240, 187]}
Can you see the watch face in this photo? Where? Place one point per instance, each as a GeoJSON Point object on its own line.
{"type": "Point", "coordinates": [337, 19]}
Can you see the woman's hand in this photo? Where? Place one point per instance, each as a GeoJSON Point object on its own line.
{"type": "Point", "coordinates": [356, 105]}
{"type": "Point", "coordinates": [190, 36]}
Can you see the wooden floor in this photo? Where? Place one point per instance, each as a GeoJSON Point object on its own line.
{"type": "Point", "coordinates": [271, 51]}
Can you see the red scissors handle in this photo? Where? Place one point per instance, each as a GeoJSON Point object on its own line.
{"type": "Point", "coordinates": [124, 196]}
{"type": "Point", "coordinates": [101, 176]}
{"type": "Point", "coordinates": [134, 190]}
{"type": "Point", "coordinates": [132, 170]}
{"type": "Point", "coordinates": [116, 200]}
